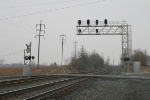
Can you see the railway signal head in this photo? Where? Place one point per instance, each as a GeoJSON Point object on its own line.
{"type": "Point", "coordinates": [105, 21]}
{"type": "Point", "coordinates": [79, 31]}
{"type": "Point", "coordinates": [96, 30]}
{"type": "Point", "coordinates": [88, 21]}
{"type": "Point", "coordinates": [96, 22]}
{"type": "Point", "coordinates": [79, 22]}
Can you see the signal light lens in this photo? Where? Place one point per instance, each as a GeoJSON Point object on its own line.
{"type": "Point", "coordinates": [79, 30]}
{"type": "Point", "coordinates": [96, 22]}
{"type": "Point", "coordinates": [96, 30]}
{"type": "Point", "coordinates": [33, 57]}
{"type": "Point", "coordinates": [79, 22]}
{"type": "Point", "coordinates": [105, 21]}
{"type": "Point", "coordinates": [88, 21]}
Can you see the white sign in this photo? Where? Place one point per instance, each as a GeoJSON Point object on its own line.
{"type": "Point", "coordinates": [28, 48]}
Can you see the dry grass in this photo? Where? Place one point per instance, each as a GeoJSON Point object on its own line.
{"type": "Point", "coordinates": [146, 70]}
{"type": "Point", "coordinates": [16, 71]}
{"type": "Point", "coordinates": [11, 71]}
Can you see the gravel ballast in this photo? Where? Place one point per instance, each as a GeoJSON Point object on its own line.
{"type": "Point", "coordinates": [118, 89]}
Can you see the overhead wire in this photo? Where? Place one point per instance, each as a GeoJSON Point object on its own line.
{"type": "Point", "coordinates": [15, 37]}
{"type": "Point", "coordinates": [39, 19]}
{"type": "Point", "coordinates": [12, 53]}
{"type": "Point", "coordinates": [59, 9]}
{"type": "Point", "coordinates": [13, 30]}
{"type": "Point", "coordinates": [43, 4]}
{"type": "Point", "coordinates": [53, 10]}
{"type": "Point", "coordinates": [16, 23]}
{"type": "Point", "coordinates": [43, 12]}
{"type": "Point", "coordinates": [19, 12]}
{"type": "Point", "coordinates": [12, 13]}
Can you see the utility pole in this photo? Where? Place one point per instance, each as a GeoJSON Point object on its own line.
{"type": "Point", "coordinates": [108, 60]}
{"type": "Point", "coordinates": [94, 51]}
{"type": "Point", "coordinates": [39, 39]}
{"type": "Point", "coordinates": [30, 53]}
{"type": "Point", "coordinates": [82, 50]}
{"type": "Point", "coordinates": [75, 48]}
{"type": "Point", "coordinates": [24, 56]}
{"type": "Point", "coordinates": [63, 36]}
{"type": "Point", "coordinates": [113, 62]}
{"type": "Point", "coordinates": [145, 58]}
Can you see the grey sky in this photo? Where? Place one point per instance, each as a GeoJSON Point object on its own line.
{"type": "Point", "coordinates": [15, 32]}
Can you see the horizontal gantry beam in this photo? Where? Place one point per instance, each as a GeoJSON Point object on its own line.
{"type": "Point", "coordinates": [102, 34]}
{"type": "Point", "coordinates": [103, 25]}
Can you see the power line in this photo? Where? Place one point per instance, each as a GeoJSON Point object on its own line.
{"type": "Point", "coordinates": [53, 10]}
{"type": "Point", "coordinates": [12, 53]}
{"type": "Point", "coordinates": [42, 4]}
{"type": "Point", "coordinates": [16, 24]}
{"type": "Point", "coordinates": [15, 37]}
{"type": "Point", "coordinates": [38, 19]}
{"type": "Point", "coordinates": [11, 13]}
{"type": "Point", "coordinates": [11, 30]}
{"type": "Point", "coordinates": [19, 11]}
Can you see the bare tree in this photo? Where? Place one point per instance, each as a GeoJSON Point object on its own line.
{"type": "Point", "coordinates": [20, 63]}
{"type": "Point", "coordinates": [96, 61]}
{"type": "Point", "coordinates": [87, 62]}
{"type": "Point", "coordinates": [2, 61]}
{"type": "Point", "coordinates": [142, 56]}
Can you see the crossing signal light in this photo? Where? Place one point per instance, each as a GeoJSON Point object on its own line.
{"type": "Point", "coordinates": [26, 57]}
{"type": "Point", "coordinates": [88, 21]}
{"type": "Point", "coordinates": [96, 30]}
{"type": "Point", "coordinates": [96, 22]}
{"type": "Point", "coordinates": [79, 22]}
{"type": "Point", "coordinates": [125, 59]}
{"type": "Point", "coordinates": [29, 57]}
{"type": "Point", "coordinates": [105, 21]}
{"type": "Point", "coordinates": [33, 57]}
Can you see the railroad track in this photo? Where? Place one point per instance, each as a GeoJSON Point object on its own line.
{"type": "Point", "coordinates": [103, 71]}
{"type": "Point", "coordinates": [52, 89]}
{"type": "Point", "coordinates": [24, 80]}
{"type": "Point", "coordinates": [38, 91]}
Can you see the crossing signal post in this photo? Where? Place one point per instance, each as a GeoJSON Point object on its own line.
{"type": "Point", "coordinates": [27, 67]}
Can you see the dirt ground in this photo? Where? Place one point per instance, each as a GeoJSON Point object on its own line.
{"type": "Point", "coordinates": [145, 70]}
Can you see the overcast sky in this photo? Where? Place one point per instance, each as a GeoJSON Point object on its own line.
{"type": "Point", "coordinates": [18, 19]}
